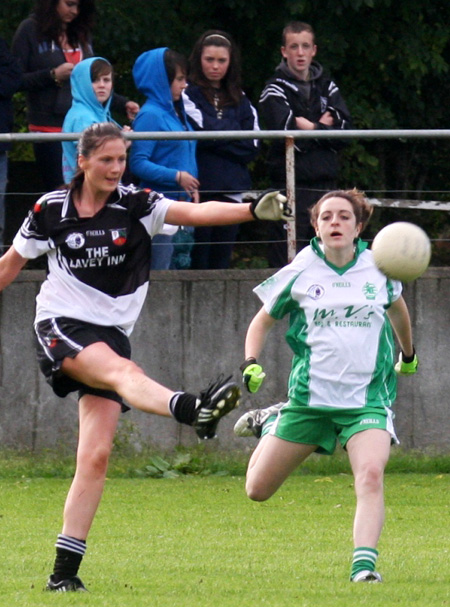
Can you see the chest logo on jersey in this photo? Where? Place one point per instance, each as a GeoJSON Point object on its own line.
{"type": "Point", "coordinates": [315, 291]}
{"type": "Point", "coordinates": [119, 237]}
{"type": "Point", "coordinates": [75, 241]}
{"type": "Point", "coordinates": [369, 290]}
{"type": "Point", "coordinates": [95, 232]}
{"type": "Point", "coordinates": [348, 316]}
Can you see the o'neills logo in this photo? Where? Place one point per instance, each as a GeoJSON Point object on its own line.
{"type": "Point", "coordinates": [75, 241]}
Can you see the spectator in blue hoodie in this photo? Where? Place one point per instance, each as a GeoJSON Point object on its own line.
{"type": "Point", "coordinates": [167, 166]}
{"type": "Point", "coordinates": [91, 82]}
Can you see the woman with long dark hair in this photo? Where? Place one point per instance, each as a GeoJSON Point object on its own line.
{"type": "Point", "coordinates": [215, 101]}
{"type": "Point", "coordinates": [96, 235]}
{"type": "Point", "coordinates": [48, 44]}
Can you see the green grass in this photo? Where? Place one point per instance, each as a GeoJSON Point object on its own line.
{"type": "Point", "coordinates": [197, 541]}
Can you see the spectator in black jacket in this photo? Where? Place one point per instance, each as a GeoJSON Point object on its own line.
{"type": "Point", "coordinates": [10, 75]}
{"type": "Point", "coordinates": [300, 96]}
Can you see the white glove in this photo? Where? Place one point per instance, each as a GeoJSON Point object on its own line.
{"type": "Point", "coordinates": [272, 206]}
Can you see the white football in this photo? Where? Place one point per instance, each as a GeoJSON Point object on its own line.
{"type": "Point", "coordinates": [402, 251]}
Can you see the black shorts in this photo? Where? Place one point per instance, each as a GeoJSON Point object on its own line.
{"type": "Point", "coordinates": [58, 338]}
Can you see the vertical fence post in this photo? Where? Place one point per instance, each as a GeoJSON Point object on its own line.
{"type": "Point", "coordinates": [290, 194]}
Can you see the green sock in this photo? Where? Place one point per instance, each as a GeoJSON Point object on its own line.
{"type": "Point", "coordinates": [364, 559]}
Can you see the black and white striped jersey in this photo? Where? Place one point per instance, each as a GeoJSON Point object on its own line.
{"type": "Point", "coordinates": [98, 266]}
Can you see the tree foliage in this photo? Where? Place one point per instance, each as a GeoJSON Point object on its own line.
{"type": "Point", "coordinates": [390, 59]}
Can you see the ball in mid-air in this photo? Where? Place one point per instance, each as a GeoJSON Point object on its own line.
{"type": "Point", "coordinates": [402, 251]}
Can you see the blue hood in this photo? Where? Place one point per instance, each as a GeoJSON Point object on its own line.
{"type": "Point", "coordinates": [150, 77]}
{"type": "Point", "coordinates": [85, 110]}
{"type": "Point", "coordinates": [84, 101]}
{"type": "Point", "coordinates": [157, 162]}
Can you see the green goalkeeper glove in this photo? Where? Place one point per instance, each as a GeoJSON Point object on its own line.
{"type": "Point", "coordinates": [272, 206]}
{"type": "Point", "coordinates": [252, 375]}
{"type": "Point", "coordinates": [407, 365]}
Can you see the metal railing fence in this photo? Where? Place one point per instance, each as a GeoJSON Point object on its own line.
{"type": "Point", "coordinates": [262, 134]}
{"type": "Point", "coordinates": [290, 136]}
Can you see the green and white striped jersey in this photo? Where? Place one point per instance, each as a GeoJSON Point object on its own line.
{"type": "Point", "coordinates": [338, 328]}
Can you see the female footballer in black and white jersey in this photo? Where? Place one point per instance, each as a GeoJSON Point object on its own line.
{"type": "Point", "coordinates": [97, 235]}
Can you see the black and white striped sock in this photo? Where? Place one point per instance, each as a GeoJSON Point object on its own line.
{"type": "Point", "coordinates": [182, 405]}
{"type": "Point", "coordinates": [69, 554]}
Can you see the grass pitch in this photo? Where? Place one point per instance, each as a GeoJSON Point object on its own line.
{"type": "Point", "coordinates": [197, 541]}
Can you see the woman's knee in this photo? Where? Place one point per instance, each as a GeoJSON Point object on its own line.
{"type": "Point", "coordinates": [256, 489]}
{"type": "Point", "coordinates": [95, 461]}
{"type": "Point", "coordinates": [370, 477]}
{"type": "Point", "coordinates": [125, 371]}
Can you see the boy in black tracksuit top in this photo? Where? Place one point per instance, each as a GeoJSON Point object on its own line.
{"type": "Point", "coordinates": [300, 96]}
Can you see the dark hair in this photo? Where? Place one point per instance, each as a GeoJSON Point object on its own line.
{"type": "Point", "coordinates": [90, 140]}
{"type": "Point", "coordinates": [361, 206]}
{"type": "Point", "coordinates": [231, 89]}
{"type": "Point", "coordinates": [172, 60]}
{"type": "Point", "coordinates": [78, 31]}
{"type": "Point", "coordinates": [100, 67]}
{"type": "Point", "coordinates": [296, 27]}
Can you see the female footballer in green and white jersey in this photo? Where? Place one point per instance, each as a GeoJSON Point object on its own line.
{"type": "Point", "coordinates": [342, 310]}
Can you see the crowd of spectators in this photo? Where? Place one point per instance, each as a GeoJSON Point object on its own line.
{"type": "Point", "coordinates": [67, 88]}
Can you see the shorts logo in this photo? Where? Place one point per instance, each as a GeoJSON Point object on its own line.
{"type": "Point", "coordinates": [315, 291]}
{"type": "Point", "coordinates": [369, 420]}
{"type": "Point", "coordinates": [75, 241]}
